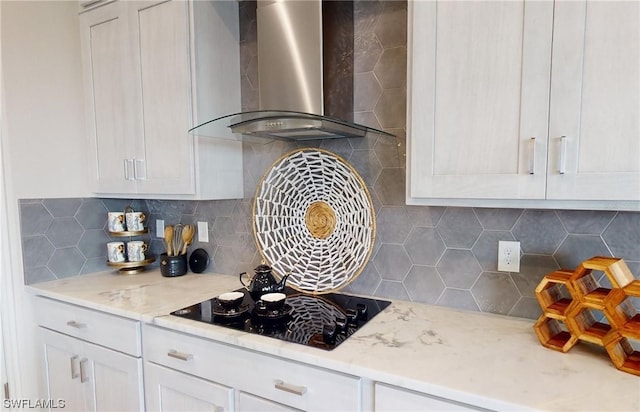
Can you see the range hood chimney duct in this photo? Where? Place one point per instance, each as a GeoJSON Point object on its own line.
{"type": "Point", "coordinates": [305, 73]}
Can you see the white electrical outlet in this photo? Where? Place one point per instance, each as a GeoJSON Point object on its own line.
{"type": "Point", "coordinates": [203, 232]}
{"type": "Point", "coordinates": [160, 228]}
{"type": "Point", "coordinates": [508, 256]}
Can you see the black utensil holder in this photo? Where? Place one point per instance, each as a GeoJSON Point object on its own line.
{"type": "Point", "coordinates": [172, 266]}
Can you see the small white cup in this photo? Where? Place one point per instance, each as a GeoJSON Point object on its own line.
{"type": "Point", "coordinates": [115, 252]}
{"type": "Point", "coordinates": [135, 221]}
{"type": "Point", "coordinates": [115, 221]}
{"type": "Point", "coordinates": [136, 250]}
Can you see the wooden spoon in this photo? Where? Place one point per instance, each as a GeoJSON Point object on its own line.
{"type": "Point", "coordinates": [168, 238]}
{"type": "Point", "coordinates": [187, 237]}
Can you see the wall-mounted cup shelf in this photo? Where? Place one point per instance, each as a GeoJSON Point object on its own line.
{"type": "Point", "coordinates": [575, 307]}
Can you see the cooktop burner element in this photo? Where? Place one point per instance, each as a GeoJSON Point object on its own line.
{"type": "Point", "coordinates": [321, 321]}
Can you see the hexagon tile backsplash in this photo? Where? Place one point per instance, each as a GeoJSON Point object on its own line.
{"type": "Point", "coordinates": [441, 255]}
{"type": "Point", "coordinates": [445, 256]}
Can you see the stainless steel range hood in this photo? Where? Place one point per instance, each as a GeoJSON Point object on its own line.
{"type": "Point", "coordinates": [305, 59]}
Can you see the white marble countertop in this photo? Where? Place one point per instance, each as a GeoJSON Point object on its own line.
{"type": "Point", "coordinates": [491, 361]}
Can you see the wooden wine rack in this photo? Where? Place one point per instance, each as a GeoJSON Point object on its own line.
{"type": "Point", "coordinates": [575, 307]}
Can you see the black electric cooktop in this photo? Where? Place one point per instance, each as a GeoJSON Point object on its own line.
{"type": "Point", "coordinates": [321, 321]}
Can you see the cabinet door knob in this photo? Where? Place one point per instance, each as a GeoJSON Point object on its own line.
{"type": "Point", "coordinates": [287, 387]}
{"type": "Point", "coordinates": [532, 156]}
{"type": "Point", "coordinates": [179, 355]}
{"type": "Point", "coordinates": [76, 325]}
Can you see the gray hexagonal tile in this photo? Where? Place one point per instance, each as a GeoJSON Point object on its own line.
{"type": "Point", "coordinates": [392, 290]}
{"type": "Point", "coordinates": [366, 14]}
{"type": "Point", "coordinates": [391, 68]}
{"type": "Point", "coordinates": [539, 232]}
{"type": "Point", "coordinates": [390, 187]}
{"type": "Point", "coordinates": [34, 219]}
{"type": "Point", "coordinates": [585, 222]}
{"type": "Point", "coordinates": [526, 308]}
{"type": "Point", "coordinates": [367, 165]}
{"type": "Point", "coordinates": [367, 118]}
{"type": "Point", "coordinates": [366, 282]}
{"type": "Point", "coordinates": [367, 92]}
{"type": "Point", "coordinates": [459, 268]}
{"type": "Point", "coordinates": [341, 147]}
{"type": "Point", "coordinates": [93, 243]}
{"type": "Point", "coordinates": [486, 248]}
{"type": "Point", "coordinates": [118, 205]}
{"type": "Point", "coordinates": [497, 219]}
{"type": "Point", "coordinates": [457, 298]}
{"type": "Point", "coordinates": [62, 207]}
{"type": "Point", "coordinates": [425, 216]}
{"type": "Point", "coordinates": [577, 248]}
{"type": "Point", "coordinates": [532, 269]}
{"type": "Point", "coordinates": [391, 108]}
{"type": "Point", "coordinates": [392, 26]}
{"type": "Point", "coordinates": [367, 51]}
{"type": "Point", "coordinates": [423, 283]}
{"type": "Point", "coordinates": [36, 251]}
{"type": "Point", "coordinates": [392, 262]}
{"type": "Point", "coordinates": [495, 293]}
{"type": "Point", "coordinates": [623, 236]}
{"type": "Point", "coordinates": [64, 232]}
{"type": "Point", "coordinates": [66, 262]}
{"type": "Point", "coordinates": [37, 275]}
{"type": "Point", "coordinates": [459, 227]}
{"type": "Point", "coordinates": [393, 224]}
{"type": "Point", "coordinates": [97, 264]}
{"type": "Point", "coordinates": [92, 214]}
{"type": "Point", "coordinates": [386, 150]}
{"type": "Point", "coordinates": [424, 246]}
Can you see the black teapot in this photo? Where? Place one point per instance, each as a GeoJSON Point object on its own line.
{"type": "Point", "coordinates": [263, 282]}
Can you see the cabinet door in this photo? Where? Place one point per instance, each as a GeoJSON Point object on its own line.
{"type": "Point", "coordinates": [249, 403]}
{"type": "Point", "coordinates": [61, 360]}
{"type": "Point", "coordinates": [170, 390]}
{"type": "Point", "coordinates": [164, 157]}
{"type": "Point", "coordinates": [479, 75]}
{"type": "Point", "coordinates": [111, 98]}
{"type": "Point", "coordinates": [116, 379]}
{"type": "Point", "coordinates": [389, 398]}
{"type": "Point", "coordinates": [595, 101]}
{"type": "Point", "coordinates": [89, 377]}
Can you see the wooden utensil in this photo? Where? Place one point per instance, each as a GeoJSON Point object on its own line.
{"type": "Point", "coordinates": [187, 237]}
{"type": "Point", "coordinates": [168, 238]}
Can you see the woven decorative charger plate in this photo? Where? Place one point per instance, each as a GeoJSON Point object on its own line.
{"type": "Point", "coordinates": [313, 218]}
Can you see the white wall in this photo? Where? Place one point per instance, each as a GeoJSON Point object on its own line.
{"type": "Point", "coordinates": [43, 150]}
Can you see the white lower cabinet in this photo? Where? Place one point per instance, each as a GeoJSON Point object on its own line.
{"type": "Point", "coordinates": [257, 379]}
{"type": "Point", "coordinates": [78, 370]}
{"type": "Point", "coordinates": [170, 390]}
{"type": "Point", "coordinates": [391, 398]}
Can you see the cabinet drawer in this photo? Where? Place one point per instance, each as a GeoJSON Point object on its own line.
{"type": "Point", "coordinates": [286, 382]}
{"type": "Point", "coordinates": [389, 398]}
{"type": "Point", "coordinates": [101, 328]}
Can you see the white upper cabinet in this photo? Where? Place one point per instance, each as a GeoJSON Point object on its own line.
{"type": "Point", "coordinates": [494, 85]}
{"type": "Point", "coordinates": [595, 96]}
{"type": "Point", "coordinates": [150, 69]}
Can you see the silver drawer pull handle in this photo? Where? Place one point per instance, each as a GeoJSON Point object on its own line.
{"type": "Point", "coordinates": [182, 356]}
{"type": "Point", "coordinates": [74, 373]}
{"type": "Point", "coordinates": [83, 372]}
{"type": "Point", "coordinates": [287, 387]}
{"type": "Point", "coordinates": [76, 325]}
